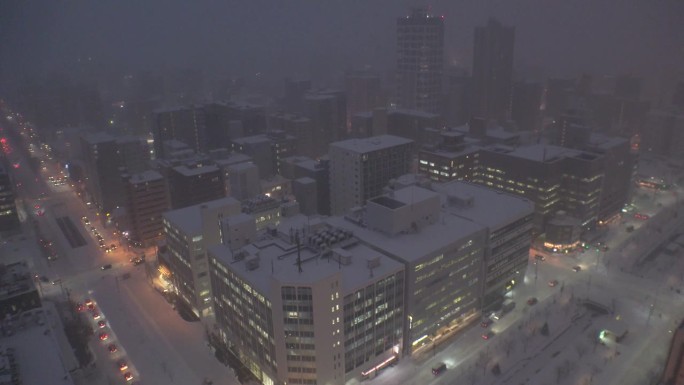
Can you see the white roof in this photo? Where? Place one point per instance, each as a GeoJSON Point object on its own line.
{"type": "Point", "coordinates": [542, 152]}
{"type": "Point", "coordinates": [278, 261]}
{"type": "Point", "coordinates": [448, 229]}
{"type": "Point", "coordinates": [145, 176]}
{"type": "Point", "coordinates": [489, 207]}
{"type": "Point", "coordinates": [189, 219]}
{"type": "Point", "coordinates": [191, 171]}
{"type": "Point", "coordinates": [371, 144]}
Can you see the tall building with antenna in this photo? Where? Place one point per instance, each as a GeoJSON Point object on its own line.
{"type": "Point", "coordinates": [420, 60]}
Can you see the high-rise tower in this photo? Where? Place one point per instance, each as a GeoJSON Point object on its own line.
{"type": "Point", "coordinates": [420, 60]}
{"type": "Point", "coordinates": [493, 70]}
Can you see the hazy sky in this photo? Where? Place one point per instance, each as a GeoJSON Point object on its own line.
{"type": "Point", "coordinates": [305, 38]}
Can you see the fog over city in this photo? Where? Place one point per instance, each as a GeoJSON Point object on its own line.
{"type": "Point", "coordinates": [320, 40]}
{"type": "Point", "coordinates": [377, 192]}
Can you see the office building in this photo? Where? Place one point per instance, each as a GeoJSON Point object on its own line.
{"type": "Point", "coordinates": [442, 254]}
{"type": "Point", "coordinates": [327, 112]}
{"type": "Point", "coordinates": [509, 223]}
{"type": "Point", "coordinates": [361, 168]}
{"type": "Point", "coordinates": [457, 95]}
{"type": "Point", "coordinates": [9, 219]}
{"type": "Point", "coordinates": [420, 61]}
{"type": "Point", "coordinates": [295, 314]}
{"type": "Point", "coordinates": [300, 127]}
{"type": "Point", "coordinates": [454, 158]}
{"type": "Point", "coordinates": [264, 209]}
{"type": "Point", "coordinates": [525, 106]}
{"type": "Point", "coordinates": [134, 153]}
{"type": "Point", "coordinates": [147, 198]}
{"type": "Point", "coordinates": [493, 71]}
{"type": "Point", "coordinates": [363, 93]}
{"type": "Point", "coordinates": [186, 124]}
{"type": "Point", "coordinates": [305, 191]}
{"type": "Point", "coordinates": [103, 169]}
{"type": "Point", "coordinates": [412, 124]}
{"type": "Point", "coordinates": [188, 232]}
{"type": "Point", "coordinates": [664, 134]}
{"type": "Point", "coordinates": [244, 180]}
{"type": "Point", "coordinates": [194, 183]}
{"type": "Point", "coordinates": [296, 167]}
{"type": "Point", "coordinates": [554, 178]}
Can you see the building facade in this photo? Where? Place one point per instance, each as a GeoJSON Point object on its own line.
{"type": "Point", "coordinates": [147, 198]}
{"type": "Point", "coordinates": [493, 71]}
{"type": "Point", "coordinates": [420, 61]}
{"type": "Point", "coordinates": [188, 232]}
{"type": "Point", "coordinates": [361, 168]}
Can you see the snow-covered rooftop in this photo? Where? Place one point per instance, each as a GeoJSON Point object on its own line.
{"type": "Point", "coordinates": [145, 176]}
{"type": "Point", "coordinates": [371, 144]}
{"type": "Point", "coordinates": [278, 261]}
{"type": "Point", "coordinates": [192, 171]}
{"type": "Point", "coordinates": [189, 219]}
{"type": "Point", "coordinates": [543, 153]}
{"type": "Point", "coordinates": [486, 206]}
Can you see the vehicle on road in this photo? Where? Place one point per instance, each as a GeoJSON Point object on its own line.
{"type": "Point", "coordinates": [103, 336]}
{"type": "Point", "coordinates": [122, 365]}
{"type": "Point", "coordinates": [128, 376]}
{"type": "Point", "coordinates": [532, 301]}
{"type": "Point", "coordinates": [540, 257]}
{"type": "Point", "coordinates": [486, 323]}
{"type": "Point", "coordinates": [101, 324]}
{"type": "Point", "coordinates": [106, 267]}
{"type": "Point", "coordinates": [439, 368]}
{"type": "Point", "coordinates": [488, 335]}
{"type": "Point", "coordinates": [553, 283]}
{"type": "Point", "coordinates": [577, 269]}
{"type": "Point", "coordinates": [96, 315]}
{"type": "Point", "coordinates": [112, 348]}
{"type": "Point", "coordinates": [56, 281]}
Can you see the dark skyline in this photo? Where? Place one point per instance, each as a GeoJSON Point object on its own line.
{"type": "Point", "coordinates": [322, 40]}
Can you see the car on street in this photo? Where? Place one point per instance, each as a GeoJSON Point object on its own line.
{"type": "Point", "coordinates": [112, 348]}
{"type": "Point", "coordinates": [128, 376]}
{"type": "Point", "coordinates": [540, 257]}
{"type": "Point", "coordinates": [80, 307]}
{"type": "Point", "coordinates": [532, 301]}
{"type": "Point", "coordinates": [577, 269]}
{"type": "Point", "coordinates": [488, 335]}
{"type": "Point", "coordinates": [56, 281]}
{"type": "Point", "coordinates": [553, 283]}
{"type": "Point", "coordinates": [101, 324]}
{"type": "Point", "coordinates": [103, 336]}
{"type": "Point", "coordinates": [486, 323]}
{"type": "Point", "coordinates": [122, 365]}
{"type": "Point", "coordinates": [439, 368]}
{"type": "Point", "coordinates": [96, 315]}
{"type": "Point", "coordinates": [106, 267]}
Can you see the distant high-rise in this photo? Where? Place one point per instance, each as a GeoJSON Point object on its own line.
{"type": "Point", "coordinates": [493, 70]}
{"type": "Point", "coordinates": [420, 60]}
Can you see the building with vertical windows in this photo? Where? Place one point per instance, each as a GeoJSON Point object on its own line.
{"type": "Point", "coordinates": [453, 158]}
{"type": "Point", "coordinates": [554, 178]}
{"type": "Point", "coordinates": [420, 60]}
{"type": "Point", "coordinates": [194, 183]}
{"type": "Point", "coordinates": [493, 71]}
{"type": "Point", "coordinates": [9, 220]}
{"type": "Point", "coordinates": [307, 303]}
{"type": "Point", "coordinates": [186, 124]}
{"type": "Point", "coordinates": [147, 198]}
{"type": "Point", "coordinates": [188, 232]}
{"type": "Point", "coordinates": [361, 168]}
{"type": "Point", "coordinates": [509, 223]}
{"type": "Point", "coordinates": [103, 169]}
{"type": "Point", "coordinates": [442, 254]}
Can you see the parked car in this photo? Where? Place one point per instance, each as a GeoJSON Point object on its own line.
{"type": "Point", "coordinates": [106, 267]}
